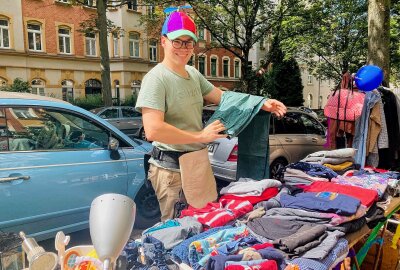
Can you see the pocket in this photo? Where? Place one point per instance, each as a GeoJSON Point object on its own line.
{"type": "Point", "coordinates": [174, 180]}
{"type": "Point", "coordinates": [152, 172]}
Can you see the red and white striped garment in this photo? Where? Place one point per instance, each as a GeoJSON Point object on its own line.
{"type": "Point", "coordinates": [220, 213]}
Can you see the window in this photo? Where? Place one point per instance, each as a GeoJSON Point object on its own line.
{"type": "Point", "coordinates": [153, 50]}
{"type": "Point", "coordinates": [90, 44]}
{"type": "Point", "coordinates": [64, 40]}
{"type": "Point", "coordinates": [110, 113]}
{"type": "Point", "coordinates": [309, 101]}
{"type": "Point", "coordinates": [225, 36]}
{"type": "Point", "coordinates": [134, 45]}
{"type": "Point", "coordinates": [34, 37]}
{"type": "Point", "coordinates": [135, 86]}
{"type": "Point", "coordinates": [214, 67]}
{"type": "Point", "coordinates": [319, 102]}
{"type": "Point", "coordinates": [45, 129]}
{"type": "Point", "coordinates": [150, 11]}
{"type": "Point", "coordinates": [129, 112]}
{"type": "Point", "coordinates": [202, 65]}
{"type": "Point", "coordinates": [38, 87]}
{"type": "Point", "coordinates": [4, 34]}
{"type": "Point", "coordinates": [191, 61]}
{"type": "Point", "coordinates": [309, 79]}
{"type": "Point", "coordinates": [88, 3]}
{"type": "Point", "coordinates": [237, 68]}
{"type": "Point", "coordinates": [226, 68]}
{"type": "Point", "coordinates": [67, 89]}
{"type": "Point", "coordinates": [261, 42]}
{"type": "Point", "coordinates": [291, 123]}
{"type": "Point", "coordinates": [312, 125]}
{"type": "Point", "coordinates": [212, 38]}
{"type": "Point", "coordinates": [63, 1]}
{"type": "Point", "coordinates": [132, 5]}
{"type": "Point", "coordinates": [115, 45]}
{"type": "Point", "coordinates": [201, 33]}
{"type": "Point", "coordinates": [3, 82]}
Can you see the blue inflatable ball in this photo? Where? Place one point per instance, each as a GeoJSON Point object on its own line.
{"type": "Point", "coordinates": [369, 77]}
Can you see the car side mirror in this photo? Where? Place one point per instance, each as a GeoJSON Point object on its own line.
{"type": "Point", "coordinates": [113, 145]}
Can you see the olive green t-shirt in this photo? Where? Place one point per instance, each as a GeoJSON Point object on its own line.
{"type": "Point", "coordinates": [181, 99]}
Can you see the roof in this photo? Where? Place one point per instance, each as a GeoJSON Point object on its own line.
{"type": "Point", "coordinates": [17, 95]}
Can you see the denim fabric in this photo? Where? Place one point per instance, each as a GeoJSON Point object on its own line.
{"type": "Point", "coordinates": [313, 169]}
{"type": "Point", "coordinates": [361, 133]}
{"type": "Point", "coordinates": [154, 253]}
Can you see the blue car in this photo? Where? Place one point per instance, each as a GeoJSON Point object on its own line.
{"type": "Point", "coordinates": [55, 158]}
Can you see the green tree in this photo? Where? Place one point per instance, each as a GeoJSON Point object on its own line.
{"type": "Point", "coordinates": [283, 80]}
{"type": "Point", "coordinates": [395, 42]}
{"type": "Point", "coordinates": [235, 25]}
{"type": "Point", "coordinates": [330, 37]}
{"type": "Point", "coordinates": [18, 85]}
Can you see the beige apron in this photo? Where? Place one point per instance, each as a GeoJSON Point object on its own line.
{"type": "Point", "coordinates": [198, 182]}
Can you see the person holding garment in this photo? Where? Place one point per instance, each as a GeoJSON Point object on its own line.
{"type": "Point", "coordinates": [171, 102]}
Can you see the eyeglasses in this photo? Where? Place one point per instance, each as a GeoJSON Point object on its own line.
{"type": "Point", "coordinates": [177, 44]}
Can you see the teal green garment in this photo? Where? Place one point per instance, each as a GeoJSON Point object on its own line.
{"type": "Point", "coordinates": [253, 154]}
{"type": "Point", "coordinates": [236, 110]}
{"type": "Point", "coordinates": [240, 114]}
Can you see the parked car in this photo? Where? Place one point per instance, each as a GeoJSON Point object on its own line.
{"type": "Point", "coordinates": [308, 110]}
{"type": "Point", "coordinates": [125, 118]}
{"type": "Point", "coordinates": [291, 138]}
{"type": "Point", "coordinates": [55, 158]}
{"type": "Point", "coordinates": [321, 117]}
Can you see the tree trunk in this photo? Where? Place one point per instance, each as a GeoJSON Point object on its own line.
{"type": "Point", "coordinates": [379, 35]}
{"type": "Point", "coordinates": [104, 55]}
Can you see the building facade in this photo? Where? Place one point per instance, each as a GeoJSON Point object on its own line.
{"type": "Point", "coordinates": [220, 66]}
{"type": "Point", "coordinates": [40, 43]}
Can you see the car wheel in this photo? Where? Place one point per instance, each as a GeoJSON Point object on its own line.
{"type": "Point", "coordinates": [147, 208]}
{"type": "Point", "coordinates": [142, 135]}
{"type": "Point", "coordinates": [276, 165]}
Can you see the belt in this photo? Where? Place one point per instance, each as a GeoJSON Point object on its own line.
{"type": "Point", "coordinates": [168, 159]}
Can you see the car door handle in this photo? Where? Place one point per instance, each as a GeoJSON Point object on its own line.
{"type": "Point", "coordinates": [13, 178]}
{"type": "Point", "coordinates": [288, 140]}
{"type": "Point", "coordinates": [314, 140]}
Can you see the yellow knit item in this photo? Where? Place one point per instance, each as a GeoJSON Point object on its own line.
{"type": "Point", "coordinates": [339, 167]}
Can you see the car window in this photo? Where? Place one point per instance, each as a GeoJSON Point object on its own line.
{"type": "Point", "coordinates": [312, 125]}
{"type": "Point", "coordinates": [291, 123]}
{"type": "Point", "coordinates": [34, 128]}
{"type": "Point", "coordinates": [129, 112]}
{"type": "Point", "coordinates": [109, 113]}
{"type": "Point", "coordinates": [207, 113]}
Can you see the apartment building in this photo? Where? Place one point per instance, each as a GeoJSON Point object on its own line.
{"type": "Point", "coordinates": [40, 43]}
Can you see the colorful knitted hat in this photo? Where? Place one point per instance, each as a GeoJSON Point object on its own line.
{"type": "Point", "coordinates": [179, 24]}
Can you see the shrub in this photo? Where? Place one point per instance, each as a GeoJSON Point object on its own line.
{"type": "Point", "coordinates": [89, 102]}
{"type": "Point", "coordinates": [130, 101]}
{"type": "Point", "coordinates": [18, 85]}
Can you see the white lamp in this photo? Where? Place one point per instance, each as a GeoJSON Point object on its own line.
{"type": "Point", "coordinates": [111, 221]}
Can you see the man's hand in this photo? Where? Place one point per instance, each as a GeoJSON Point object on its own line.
{"type": "Point", "coordinates": [274, 106]}
{"type": "Point", "coordinates": [212, 132]}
